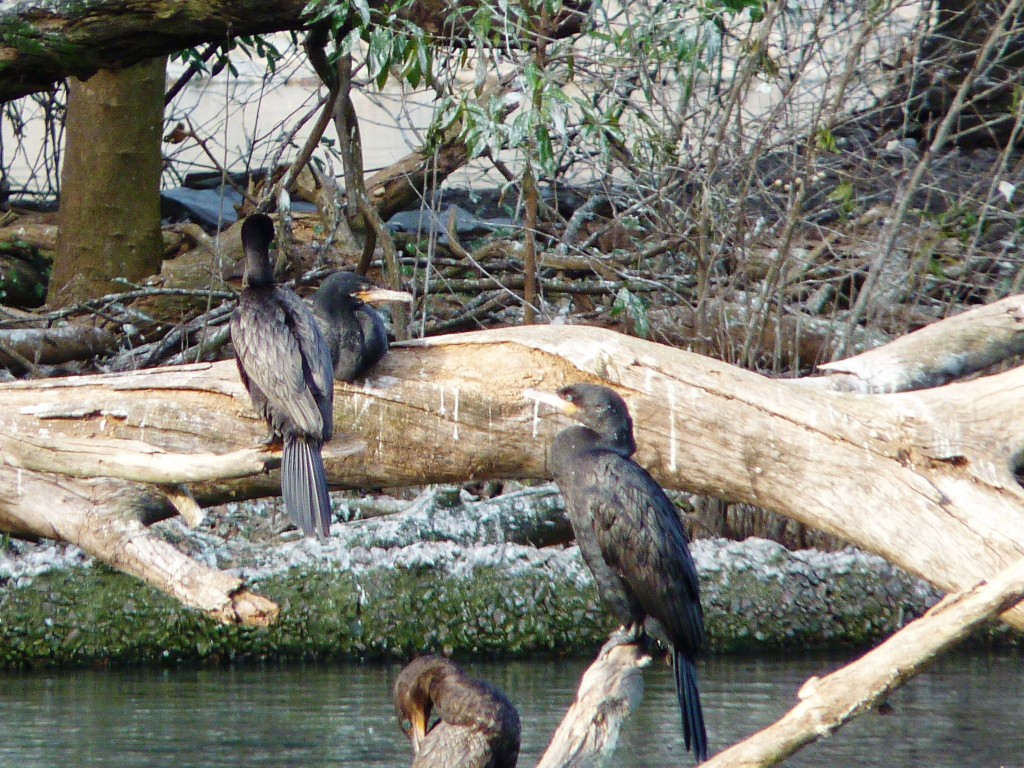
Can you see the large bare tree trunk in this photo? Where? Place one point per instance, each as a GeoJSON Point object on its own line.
{"type": "Point", "coordinates": [109, 223]}
{"type": "Point", "coordinates": [923, 478]}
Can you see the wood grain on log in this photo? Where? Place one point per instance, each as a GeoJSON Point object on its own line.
{"type": "Point", "coordinates": [48, 346]}
{"type": "Point", "coordinates": [936, 354]}
{"type": "Point", "coordinates": [610, 690]}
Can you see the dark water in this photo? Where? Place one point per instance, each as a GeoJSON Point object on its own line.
{"type": "Point", "coordinates": [967, 711]}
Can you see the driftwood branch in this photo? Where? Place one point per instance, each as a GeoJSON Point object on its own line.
{"type": "Point", "coordinates": [106, 519]}
{"type": "Point", "coordinates": [827, 703]}
{"type": "Point", "coordinates": [936, 354]}
{"type": "Point", "coordinates": [901, 475]}
{"type": "Point", "coordinates": [611, 689]}
{"type": "Point", "coordinates": [47, 346]}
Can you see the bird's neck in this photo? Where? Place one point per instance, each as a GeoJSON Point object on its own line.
{"type": "Point", "coordinates": [258, 272]}
{"type": "Point", "coordinates": [621, 442]}
{"type": "Point", "coordinates": [579, 439]}
{"type": "Point", "coordinates": [341, 309]}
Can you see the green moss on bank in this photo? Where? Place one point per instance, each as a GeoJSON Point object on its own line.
{"type": "Point", "coordinates": [508, 600]}
{"type": "Point", "coordinates": [97, 616]}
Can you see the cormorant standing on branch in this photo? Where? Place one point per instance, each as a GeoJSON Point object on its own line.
{"type": "Point", "coordinates": [478, 727]}
{"type": "Point", "coordinates": [631, 538]}
{"type": "Point", "coordinates": [285, 365]}
{"type": "Point", "coordinates": [354, 331]}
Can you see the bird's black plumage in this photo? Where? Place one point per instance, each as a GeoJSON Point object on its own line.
{"type": "Point", "coordinates": [631, 538]}
{"type": "Point", "coordinates": [355, 331]}
{"type": "Point", "coordinates": [285, 365]}
{"type": "Point", "coordinates": [477, 726]}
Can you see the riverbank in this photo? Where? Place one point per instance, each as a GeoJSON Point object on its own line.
{"type": "Point", "coordinates": [448, 574]}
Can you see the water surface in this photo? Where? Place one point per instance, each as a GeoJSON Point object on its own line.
{"type": "Point", "coordinates": [967, 711]}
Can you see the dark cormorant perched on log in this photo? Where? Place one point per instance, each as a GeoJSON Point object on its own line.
{"type": "Point", "coordinates": [354, 330]}
{"type": "Point", "coordinates": [631, 537]}
{"type": "Point", "coordinates": [478, 727]}
{"type": "Point", "coordinates": [285, 365]}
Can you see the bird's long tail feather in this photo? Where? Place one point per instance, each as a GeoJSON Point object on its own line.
{"type": "Point", "coordinates": [694, 733]}
{"type": "Point", "coordinates": [304, 486]}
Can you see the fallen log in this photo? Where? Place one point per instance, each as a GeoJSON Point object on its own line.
{"type": "Point", "coordinates": [924, 479]}
{"type": "Point", "coordinates": [29, 347]}
{"type": "Point", "coordinates": [956, 347]}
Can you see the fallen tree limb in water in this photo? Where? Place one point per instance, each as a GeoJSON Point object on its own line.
{"type": "Point", "coordinates": [610, 690]}
{"type": "Point", "coordinates": [924, 479]}
{"type": "Point", "coordinates": [827, 703]}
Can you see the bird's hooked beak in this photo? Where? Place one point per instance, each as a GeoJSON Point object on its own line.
{"type": "Point", "coordinates": [377, 295]}
{"type": "Point", "coordinates": [418, 729]}
{"type": "Point", "coordinates": [550, 398]}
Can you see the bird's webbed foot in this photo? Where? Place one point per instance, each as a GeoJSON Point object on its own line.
{"type": "Point", "coordinates": [272, 440]}
{"type": "Point", "coordinates": [626, 635]}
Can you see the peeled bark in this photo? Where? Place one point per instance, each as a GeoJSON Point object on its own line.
{"type": "Point", "coordinates": [610, 690]}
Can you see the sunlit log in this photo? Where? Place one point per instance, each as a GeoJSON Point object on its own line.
{"type": "Point", "coordinates": [609, 692]}
{"type": "Point", "coordinates": [922, 478]}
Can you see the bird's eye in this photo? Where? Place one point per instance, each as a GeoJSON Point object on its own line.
{"type": "Point", "coordinates": [406, 725]}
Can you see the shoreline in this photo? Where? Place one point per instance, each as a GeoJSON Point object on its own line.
{"type": "Point", "coordinates": [447, 575]}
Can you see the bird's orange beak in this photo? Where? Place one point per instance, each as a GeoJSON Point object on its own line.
{"type": "Point", "coordinates": [418, 730]}
{"type": "Point", "coordinates": [377, 295]}
{"type": "Point", "coordinates": [550, 398]}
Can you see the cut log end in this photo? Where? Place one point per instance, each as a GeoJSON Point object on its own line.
{"type": "Point", "coordinates": [248, 609]}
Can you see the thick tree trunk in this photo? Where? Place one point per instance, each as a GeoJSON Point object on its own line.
{"type": "Point", "coordinates": [922, 478]}
{"type": "Point", "coordinates": [110, 186]}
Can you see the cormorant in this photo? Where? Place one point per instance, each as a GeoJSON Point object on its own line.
{"type": "Point", "coordinates": [478, 727]}
{"type": "Point", "coordinates": [631, 538]}
{"type": "Point", "coordinates": [285, 365]}
{"type": "Point", "coordinates": [354, 331]}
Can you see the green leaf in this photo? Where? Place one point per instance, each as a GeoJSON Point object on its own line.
{"type": "Point", "coordinates": [826, 141]}
{"type": "Point", "coordinates": [545, 150]}
{"type": "Point", "coordinates": [364, 11]}
{"type": "Point", "coordinates": [632, 306]}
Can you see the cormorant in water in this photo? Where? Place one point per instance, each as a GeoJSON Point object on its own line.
{"type": "Point", "coordinates": [478, 727]}
{"type": "Point", "coordinates": [285, 365]}
{"type": "Point", "coordinates": [631, 538]}
{"type": "Point", "coordinates": [354, 331]}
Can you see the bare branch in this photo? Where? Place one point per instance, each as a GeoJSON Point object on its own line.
{"type": "Point", "coordinates": [828, 703]}
{"type": "Point", "coordinates": [947, 350]}
{"type": "Point", "coordinates": [610, 691]}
